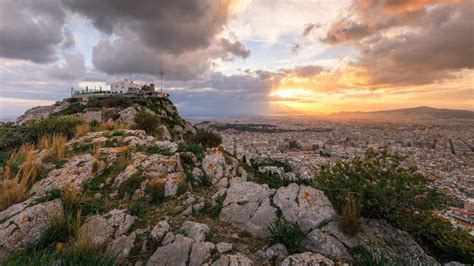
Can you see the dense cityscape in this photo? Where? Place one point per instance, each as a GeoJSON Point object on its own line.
{"type": "Point", "coordinates": [443, 152]}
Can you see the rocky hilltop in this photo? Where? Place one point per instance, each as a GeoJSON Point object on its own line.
{"type": "Point", "coordinates": [117, 194]}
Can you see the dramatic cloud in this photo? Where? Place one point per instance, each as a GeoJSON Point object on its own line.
{"type": "Point", "coordinates": [31, 30]}
{"type": "Point", "coordinates": [128, 55]}
{"type": "Point", "coordinates": [73, 67]}
{"type": "Point", "coordinates": [408, 42]}
{"type": "Point", "coordinates": [182, 36]}
{"type": "Point", "coordinates": [443, 44]}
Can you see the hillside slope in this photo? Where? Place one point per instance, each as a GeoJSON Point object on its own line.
{"type": "Point", "coordinates": [122, 196]}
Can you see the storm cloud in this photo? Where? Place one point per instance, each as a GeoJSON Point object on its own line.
{"type": "Point", "coordinates": [182, 36]}
{"type": "Point", "coordinates": [31, 30]}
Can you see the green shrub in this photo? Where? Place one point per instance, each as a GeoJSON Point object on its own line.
{"type": "Point", "coordinates": [213, 211]}
{"type": "Point", "coordinates": [287, 233]}
{"type": "Point", "coordinates": [148, 122]}
{"type": "Point", "coordinates": [401, 195]}
{"type": "Point", "coordinates": [52, 194]}
{"type": "Point", "coordinates": [110, 102]}
{"type": "Point", "coordinates": [64, 125]}
{"type": "Point", "coordinates": [193, 148]}
{"type": "Point", "coordinates": [206, 139]}
{"type": "Point", "coordinates": [370, 257]}
{"type": "Point", "coordinates": [158, 150]}
{"type": "Point", "coordinates": [136, 208]}
{"type": "Point", "coordinates": [182, 187]}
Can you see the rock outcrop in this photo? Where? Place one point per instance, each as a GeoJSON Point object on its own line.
{"type": "Point", "coordinates": [41, 112]}
{"type": "Point", "coordinates": [21, 226]}
{"type": "Point", "coordinates": [305, 206]}
{"type": "Point", "coordinates": [247, 206]}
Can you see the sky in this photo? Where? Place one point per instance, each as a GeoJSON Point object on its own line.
{"type": "Point", "coordinates": [242, 57]}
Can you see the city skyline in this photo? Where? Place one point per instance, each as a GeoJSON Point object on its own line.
{"type": "Point", "coordinates": [243, 57]}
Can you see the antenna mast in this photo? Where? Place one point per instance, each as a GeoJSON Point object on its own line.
{"type": "Point", "coordinates": [161, 79]}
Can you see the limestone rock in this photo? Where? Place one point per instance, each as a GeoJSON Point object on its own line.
{"type": "Point", "coordinates": [223, 247]}
{"type": "Point", "coordinates": [175, 253]}
{"type": "Point", "coordinates": [75, 172]}
{"type": "Point", "coordinates": [275, 252]}
{"type": "Point", "coordinates": [23, 228]}
{"type": "Point", "coordinates": [167, 145]}
{"type": "Point", "coordinates": [123, 244]}
{"type": "Point", "coordinates": [159, 231]}
{"type": "Point", "coordinates": [195, 231]}
{"type": "Point", "coordinates": [216, 166]}
{"type": "Point", "coordinates": [104, 228]}
{"type": "Point", "coordinates": [327, 245]}
{"type": "Point", "coordinates": [41, 112]}
{"type": "Point", "coordinates": [237, 259]}
{"type": "Point", "coordinates": [127, 115]}
{"type": "Point", "coordinates": [305, 206]}
{"type": "Point", "coordinates": [378, 234]}
{"type": "Point", "coordinates": [247, 206]}
{"type": "Point", "coordinates": [200, 253]}
{"type": "Point", "coordinates": [307, 258]}
{"type": "Point", "coordinates": [165, 133]}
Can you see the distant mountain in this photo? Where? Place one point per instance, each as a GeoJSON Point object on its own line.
{"type": "Point", "coordinates": [421, 112]}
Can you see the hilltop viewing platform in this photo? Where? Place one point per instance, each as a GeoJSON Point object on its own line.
{"type": "Point", "coordinates": [125, 88]}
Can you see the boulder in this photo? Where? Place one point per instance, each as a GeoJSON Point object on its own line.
{"type": "Point", "coordinates": [127, 115]}
{"type": "Point", "coordinates": [380, 235]}
{"type": "Point", "coordinates": [307, 258]}
{"type": "Point", "coordinates": [167, 145]}
{"type": "Point", "coordinates": [317, 241]}
{"type": "Point", "coordinates": [195, 231]}
{"type": "Point", "coordinates": [305, 206]}
{"type": "Point", "coordinates": [159, 231]}
{"type": "Point", "coordinates": [237, 259]}
{"type": "Point", "coordinates": [165, 133]}
{"type": "Point", "coordinates": [275, 252]}
{"type": "Point", "coordinates": [75, 172]}
{"type": "Point", "coordinates": [223, 247]}
{"type": "Point", "coordinates": [247, 206]}
{"type": "Point", "coordinates": [25, 225]}
{"type": "Point", "coordinates": [200, 253]}
{"type": "Point", "coordinates": [216, 166]}
{"type": "Point", "coordinates": [102, 229]}
{"type": "Point", "coordinates": [175, 253]}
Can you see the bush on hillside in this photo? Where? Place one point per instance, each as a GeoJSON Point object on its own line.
{"type": "Point", "coordinates": [64, 125]}
{"type": "Point", "coordinates": [206, 139]}
{"type": "Point", "coordinates": [401, 195]}
{"type": "Point", "coordinates": [287, 233]}
{"type": "Point", "coordinates": [148, 122]}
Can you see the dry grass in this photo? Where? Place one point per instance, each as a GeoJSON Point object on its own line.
{"type": "Point", "coordinates": [70, 196]}
{"type": "Point", "coordinates": [44, 142]}
{"type": "Point", "coordinates": [350, 214]}
{"type": "Point", "coordinates": [123, 161]}
{"type": "Point", "coordinates": [95, 149]}
{"type": "Point", "coordinates": [112, 126]}
{"type": "Point", "coordinates": [57, 149]}
{"type": "Point", "coordinates": [83, 241]}
{"type": "Point", "coordinates": [14, 186]}
{"type": "Point", "coordinates": [82, 130]}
